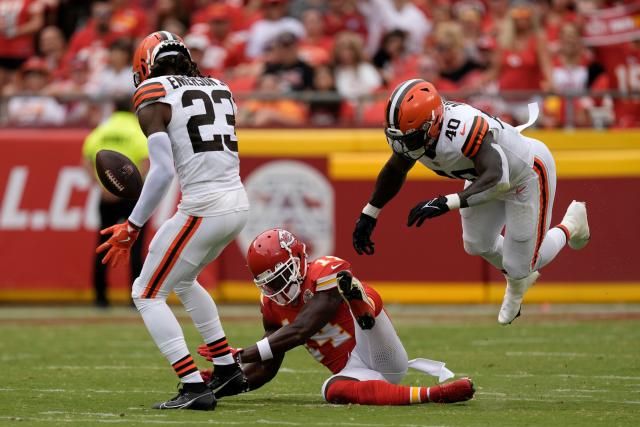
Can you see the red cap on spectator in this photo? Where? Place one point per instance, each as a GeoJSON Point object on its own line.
{"type": "Point", "coordinates": [273, 1]}
{"type": "Point", "coordinates": [35, 64]}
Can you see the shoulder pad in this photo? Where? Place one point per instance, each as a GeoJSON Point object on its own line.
{"type": "Point", "coordinates": [148, 92]}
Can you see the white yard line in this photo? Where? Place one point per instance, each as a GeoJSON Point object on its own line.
{"type": "Point", "coordinates": [210, 421]}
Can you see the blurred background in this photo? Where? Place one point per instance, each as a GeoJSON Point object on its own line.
{"type": "Point", "coordinates": [311, 79]}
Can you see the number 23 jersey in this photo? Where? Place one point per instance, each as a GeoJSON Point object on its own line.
{"type": "Point", "coordinates": [202, 131]}
{"type": "Point", "coordinates": [463, 130]}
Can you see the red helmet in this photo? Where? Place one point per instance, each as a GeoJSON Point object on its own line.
{"type": "Point", "coordinates": [278, 262]}
{"type": "Point", "coordinates": [148, 52]}
{"type": "Point", "coordinates": [413, 118]}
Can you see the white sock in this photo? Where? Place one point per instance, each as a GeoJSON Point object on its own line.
{"type": "Point", "coordinates": [553, 242]}
{"type": "Point", "coordinates": [204, 313]}
{"type": "Point", "coordinates": [167, 334]}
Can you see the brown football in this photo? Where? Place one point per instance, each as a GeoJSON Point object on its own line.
{"type": "Point", "coordinates": [118, 174]}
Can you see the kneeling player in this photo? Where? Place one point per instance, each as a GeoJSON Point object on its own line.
{"type": "Point", "coordinates": [314, 304]}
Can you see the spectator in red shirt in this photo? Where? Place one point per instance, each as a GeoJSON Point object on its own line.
{"type": "Point", "coordinates": [621, 63]}
{"type": "Point", "coordinates": [20, 20]}
{"type": "Point", "coordinates": [343, 15]}
{"type": "Point", "coordinates": [128, 20]}
{"type": "Point", "coordinates": [91, 41]}
{"type": "Point", "coordinates": [522, 61]}
{"type": "Point", "coordinates": [52, 48]}
{"type": "Point", "coordinates": [316, 46]}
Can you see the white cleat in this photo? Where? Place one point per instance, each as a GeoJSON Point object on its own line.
{"type": "Point", "coordinates": [512, 301]}
{"type": "Point", "coordinates": [576, 223]}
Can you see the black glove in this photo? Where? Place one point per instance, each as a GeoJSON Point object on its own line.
{"type": "Point", "coordinates": [428, 209]}
{"type": "Point", "coordinates": [362, 234]}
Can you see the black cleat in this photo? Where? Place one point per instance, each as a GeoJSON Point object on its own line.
{"type": "Point", "coordinates": [187, 399]}
{"type": "Point", "coordinates": [228, 380]}
{"type": "Point", "coordinates": [355, 295]}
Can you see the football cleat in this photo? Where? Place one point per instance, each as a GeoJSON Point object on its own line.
{"type": "Point", "coordinates": [228, 381]}
{"type": "Point", "coordinates": [186, 399]}
{"type": "Point", "coordinates": [356, 297]}
{"type": "Point", "coordinates": [576, 223]}
{"type": "Point", "coordinates": [455, 391]}
{"type": "Point", "coordinates": [513, 296]}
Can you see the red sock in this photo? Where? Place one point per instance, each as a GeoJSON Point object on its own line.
{"type": "Point", "coordinates": [383, 393]}
{"type": "Point", "coordinates": [374, 392]}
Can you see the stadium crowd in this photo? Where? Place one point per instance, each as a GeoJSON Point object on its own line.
{"type": "Point", "coordinates": [322, 62]}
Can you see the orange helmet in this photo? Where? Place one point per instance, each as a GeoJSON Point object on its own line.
{"type": "Point", "coordinates": [413, 118]}
{"type": "Point", "coordinates": [149, 50]}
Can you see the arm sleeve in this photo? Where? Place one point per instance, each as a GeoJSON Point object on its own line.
{"type": "Point", "coordinates": [158, 179]}
{"type": "Point", "coordinates": [494, 191]}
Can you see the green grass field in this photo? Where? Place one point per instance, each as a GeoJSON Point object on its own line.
{"type": "Point", "coordinates": [570, 366]}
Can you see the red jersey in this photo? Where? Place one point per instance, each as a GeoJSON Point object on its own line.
{"type": "Point", "coordinates": [520, 70]}
{"type": "Point", "coordinates": [332, 344]}
{"type": "Point", "coordinates": [14, 14]}
{"type": "Point", "coordinates": [622, 65]}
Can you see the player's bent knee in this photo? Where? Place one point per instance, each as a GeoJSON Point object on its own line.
{"type": "Point", "coordinates": [476, 249]}
{"type": "Point", "coordinates": [333, 394]}
{"type": "Point", "coordinates": [144, 304]}
{"type": "Point", "coordinates": [516, 270]}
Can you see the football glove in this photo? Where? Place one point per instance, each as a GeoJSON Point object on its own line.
{"type": "Point", "coordinates": [119, 244]}
{"type": "Point", "coordinates": [204, 351]}
{"type": "Point", "coordinates": [427, 209]}
{"type": "Point", "coordinates": [362, 234]}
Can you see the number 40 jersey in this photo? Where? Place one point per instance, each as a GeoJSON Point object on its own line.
{"type": "Point", "coordinates": [463, 130]}
{"type": "Point", "coordinates": [202, 132]}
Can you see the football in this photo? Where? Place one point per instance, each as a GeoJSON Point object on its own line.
{"type": "Point", "coordinates": [118, 174]}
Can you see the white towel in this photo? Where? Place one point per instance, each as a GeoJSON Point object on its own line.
{"type": "Point", "coordinates": [431, 367]}
{"type": "Point", "coordinates": [534, 112]}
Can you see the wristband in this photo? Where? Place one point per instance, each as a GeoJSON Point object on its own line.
{"type": "Point", "coordinates": [135, 227]}
{"type": "Point", "coordinates": [453, 201]}
{"type": "Point", "coordinates": [264, 349]}
{"type": "Point", "coordinates": [371, 210]}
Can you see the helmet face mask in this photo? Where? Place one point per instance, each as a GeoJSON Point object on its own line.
{"type": "Point", "coordinates": [413, 144]}
{"type": "Point", "coordinates": [282, 285]}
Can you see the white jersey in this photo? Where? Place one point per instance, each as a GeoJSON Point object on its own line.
{"type": "Point", "coordinates": [203, 138]}
{"type": "Point", "coordinates": [463, 129]}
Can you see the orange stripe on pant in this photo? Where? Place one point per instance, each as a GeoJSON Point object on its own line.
{"type": "Point", "coordinates": [171, 256]}
{"type": "Point", "coordinates": [543, 182]}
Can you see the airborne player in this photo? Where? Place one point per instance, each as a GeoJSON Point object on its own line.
{"type": "Point", "coordinates": [340, 321]}
{"type": "Point", "coordinates": [510, 182]}
{"type": "Point", "coordinates": [189, 121]}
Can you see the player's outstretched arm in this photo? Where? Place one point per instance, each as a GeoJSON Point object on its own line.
{"type": "Point", "coordinates": [388, 184]}
{"type": "Point", "coordinates": [153, 120]}
{"type": "Point", "coordinates": [314, 315]}
{"type": "Point", "coordinates": [260, 373]}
